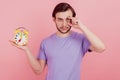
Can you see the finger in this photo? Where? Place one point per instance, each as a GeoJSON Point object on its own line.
{"type": "Point", "coordinates": [69, 20]}
{"type": "Point", "coordinates": [73, 20]}
{"type": "Point", "coordinates": [69, 24]}
{"type": "Point", "coordinates": [14, 44]}
{"type": "Point", "coordinates": [76, 22]}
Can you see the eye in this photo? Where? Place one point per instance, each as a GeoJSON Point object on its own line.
{"type": "Point", "coordinates": [69, 20]}
{"type": "Point", "coordinates": [59, 19]}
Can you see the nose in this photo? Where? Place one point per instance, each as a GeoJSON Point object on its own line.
{"type": "Point", "coordinates": [64, 23]}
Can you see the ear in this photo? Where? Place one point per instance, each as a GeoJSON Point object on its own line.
{"type": "Point", "coordinates": [53, 19]}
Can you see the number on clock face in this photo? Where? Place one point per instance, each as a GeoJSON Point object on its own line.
{"type": "Point", "coordinates": [21, 37]}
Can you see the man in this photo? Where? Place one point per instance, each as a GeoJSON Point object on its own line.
{"type": "Point", "coordinates": [63, 51]}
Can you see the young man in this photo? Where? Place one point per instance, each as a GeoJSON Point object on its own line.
{"type": "Point", "coordinates": [63, 51]}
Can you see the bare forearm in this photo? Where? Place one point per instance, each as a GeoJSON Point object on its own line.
{"type": "Point", "coordinates": [96, 44]}
{"type": "Point", "coordinates": [95, 41]}
{"type": "Point", "coordinates": [36, 66]}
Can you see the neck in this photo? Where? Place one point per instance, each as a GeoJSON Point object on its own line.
{"type": "Point", "coordinates": [63, 35]}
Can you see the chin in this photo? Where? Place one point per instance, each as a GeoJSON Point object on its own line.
{"type": "Point", "coordinates": [64, 32]}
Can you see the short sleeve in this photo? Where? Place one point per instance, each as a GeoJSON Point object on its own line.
{"type": "Point", "coordinates": [41, 53]}
{"type": "Point", "coordinates": [85, 45]}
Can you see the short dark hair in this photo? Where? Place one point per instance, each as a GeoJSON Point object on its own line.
{"type": "Point", "coordinates": [62, 7]}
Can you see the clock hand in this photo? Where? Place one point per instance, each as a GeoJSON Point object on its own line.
{"type": "Point", "coordinates": [19, 40]}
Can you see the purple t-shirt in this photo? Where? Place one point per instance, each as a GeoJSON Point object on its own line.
{"type": "Point", "coordinates": [64, 55]}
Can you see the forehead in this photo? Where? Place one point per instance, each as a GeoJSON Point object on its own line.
{"type": "Point", "coordinates": [64, 15]}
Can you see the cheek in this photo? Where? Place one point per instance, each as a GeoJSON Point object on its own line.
{"type": "Point", "coordinates": [58, 24]}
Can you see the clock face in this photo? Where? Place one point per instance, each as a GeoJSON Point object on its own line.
{"type": "Point", "coordinates": [21, 37]}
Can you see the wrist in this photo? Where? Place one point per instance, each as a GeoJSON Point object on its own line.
{"type": "Point", "coordinates": [27, 49]}
{"type": "Point", "coordinates": [82, 27]}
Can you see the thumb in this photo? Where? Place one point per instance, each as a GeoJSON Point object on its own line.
{"type": "Point", "coordinates": [70, 24]}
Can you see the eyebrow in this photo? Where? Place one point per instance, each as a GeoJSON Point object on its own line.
{"type": "Point", "coordinates": [60, 18]}
{"type": "Point", "coordinates": [66, 18]}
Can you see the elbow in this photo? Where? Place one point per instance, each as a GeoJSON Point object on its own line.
{"type": "Point", "coordinates": [98, 49]}
{"type": "Point", "coordinates": [37, 72]}
{"type": "Point", "coordinates": [101, 49]}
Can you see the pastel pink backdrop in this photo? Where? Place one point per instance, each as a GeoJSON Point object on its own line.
{"type": "Point", "coordinates": [101, 16]}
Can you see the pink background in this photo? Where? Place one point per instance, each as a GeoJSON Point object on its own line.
{"type": "Point", "coordinates": [101, 16]}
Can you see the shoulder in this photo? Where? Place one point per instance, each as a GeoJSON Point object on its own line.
{"type": "Point", "coordinates": [47, 39]}
{"type": "Point", "coordinates": [78, 34]}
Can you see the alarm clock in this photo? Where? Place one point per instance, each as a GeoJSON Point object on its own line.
{"type": "Point", "coordinates": [21, 36]}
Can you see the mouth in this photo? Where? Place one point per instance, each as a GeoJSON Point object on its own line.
{"type": "Point", "coordinates": [64, 28]}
